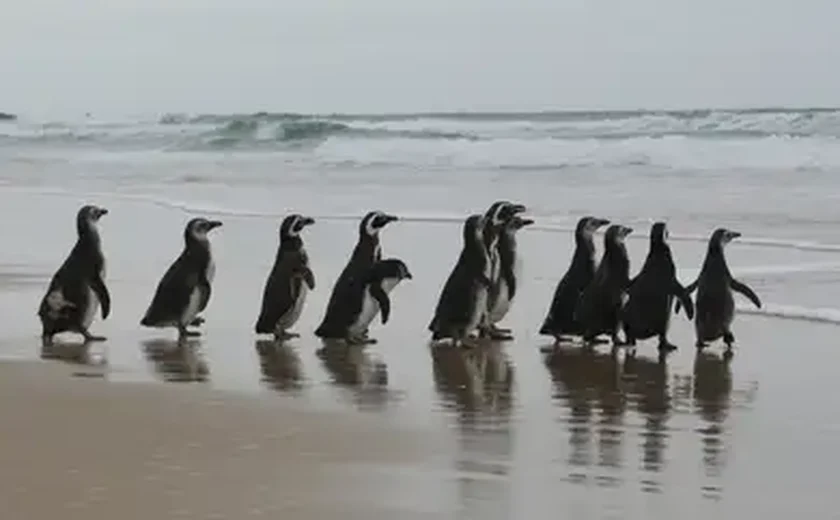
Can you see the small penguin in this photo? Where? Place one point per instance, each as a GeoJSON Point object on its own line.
{"type": "Point", "coordinates": [185, 288]}
{"type": "Point", "coordinates": [510, 272]}
{"type": "Point", "coordinates": [647, 312]}
{"type": "Point", "coordinates": [463, 299]}
{"type": "Point", "coordinates": [77, 290]}
{"type": "Point", "coordinates": [288, 283]}
{"type": "Point", "coordinates": [380, 281]}
{"type": "Point", "coordinates": [560, 321]}
{"type": "Point", "coordinates": [598, 310]}
{"type": "Point", "coordinates": [347, 293]}
{"type": "Point", "coordinates": [715, 307]}
{"type": "Point", "coordinates": [495, 219]}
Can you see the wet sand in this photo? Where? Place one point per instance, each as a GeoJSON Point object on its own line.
{"type": "Point", "coordinates": [234, 426]}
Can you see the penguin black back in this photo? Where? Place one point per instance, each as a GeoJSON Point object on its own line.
{"type": "Point", "coordinates": [462, 300]}
{"type": "Point", "coordinates": [347, 293]}
{"type": "Point", "coordinates": [560, 319]}
{"type": "Point", "coordinates": [715, 307]}
{"type": "Point", "coordinates": [186, 283]}
{"type": "Point", "coordinates": [78, 286]}
{"type": "Point", "coordinates": [650, 295]}
{"type": "Point", "coordinates": [290, 278]}
{"type": "Point", "coordinates": [600, 304]}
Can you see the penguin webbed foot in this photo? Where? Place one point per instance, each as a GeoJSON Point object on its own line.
{"type": "Point", "coordinates": [197, 322]}
{"type": "Point", "coordinates": [46, 340]}
{"type": "Point", "coordinates": [90, 338]}
{"type": "Point", "coordinates": [666, 346]}
{"type": "Point", "coordinates": [728, 339]}
{"type": "Point", "coordinates": [360, 340]}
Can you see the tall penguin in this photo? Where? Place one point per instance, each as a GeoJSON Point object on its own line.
{"type": "Point", "coordinates": [381, 279]}
{"type": "Point", "coordinates": [510, 273]}
{"type": "Point", "coordinates": [287, 285]}
{"type": "Point", "coordinates": [647, 312]}
{"type": "Point", "coordinates": [715, 308]}
{"type": "Point", "coordinates": [77, 290]}
{"type": "Point", "coordinates": [347, 293]}
{"type": "Point", "coordinates": [185, 288]}
{"type": "Point", "coordinates": [560, 321]}
{"type": "Point", "coordinates": [495, 219]}
{"type": "Point", "coordinates": [463, 299]}
{"type": "Point", "coordinates": [598, 310]}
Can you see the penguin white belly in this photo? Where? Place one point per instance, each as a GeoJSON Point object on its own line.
{"type": "Point", "coordinates": [191, 311]}
{"type": "Point", "coordinates": [370, 307]}
{"type": "Point", "coordinates": [479, 309]}
{"type": "Point", "coordinates": [293, 314]}
{"type": "Point", "coordinates": [210, 273]}
{"type": "Point", "coordinates": [91, 308]}
{"type": "Point", "coordinates": [503, 301]}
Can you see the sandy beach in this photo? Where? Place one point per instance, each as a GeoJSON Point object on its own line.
{"type": "Point", "coordinates": [236, 427]}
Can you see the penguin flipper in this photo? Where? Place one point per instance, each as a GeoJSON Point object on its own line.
{"type": "Point", "coordinates": [308, 277]}
{"type": "Point", "coordinates": [690, 288]}
{"type": "Point", "coordinates": [101, 291]}
{"type": "Point", "coordinates": [204, 284]}
{"type": "Point", "coordinates": [383, 301]}
{"type": "Point", "coordinates": [683, 298]}
{"type": "Point", "coordinates": [746, 291]}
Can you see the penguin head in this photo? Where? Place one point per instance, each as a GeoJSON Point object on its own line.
{"type": "Point", "coordinates": [616, 234]}
{"type": "Point", "coordinates": [394, 268]}
{"type": "Point", "coordinates": [516, 223]}
{"type": "Point", "coordinates": [501, 211]}
{"type": "Point", "coordinates": [293, 224]}
{"type": "Point", "coordinates": [198, 228]}
{"type": "Point", "coordinates": [373, 222]}
{"type": "Point", "coordinates": [659, 233]}
{"type": "Point", "coordinates": [87, 218]}
{"type": "Point", "coordinates": [588, 225]}
{"type": "Point", "coordinates": [474, 229]}
{"type": "Point", "coordinates": [723, 236]}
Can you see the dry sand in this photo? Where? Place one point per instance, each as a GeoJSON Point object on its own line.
{"type": "Point", "coordinates": [89, 449]}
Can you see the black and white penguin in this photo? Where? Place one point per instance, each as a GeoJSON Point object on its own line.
{"type": "Point", "coordinates": [77, 290]}
{"type": "Point", "coordinates": [715, 307]}
{"type": "Point", "coordinates": [510, 272]}
{"type": "Point", "coordinates": [347, 293]}
{"type": "Point", "coordinates": [495, 219]}
{"type": "Point", "coordinates": [381, 279]}
{"type": "Point", "coordinates": [185, 288]}
{"type": "Point", "coordinates": [560, 321]}
{"type": "Point", "coordinates": [598, 310]}
{"type": "Point", "coordinates": [463, 300]}
{"type": "Point", "coordinates": [647, 312]}
{"type": "Point", "coordinates": [288, 283]}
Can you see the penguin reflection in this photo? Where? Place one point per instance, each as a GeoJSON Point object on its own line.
{"type": "Point", "coordinates": [177, 360]}
{"type": "Point", "coordinates": [647, 387]}
{"type": "Point", "coordinates": [280, 365]}
{"type": "Point", "coordinates": [352, 367]}
{"type": "Point", "coordinates": [711, 391]}
{"type": "Point", "coordinates": [476, 384]}
{"type": "Point", "coordinates": [82, 353]}
{"type": "Point", "coordinates": [585, 379]}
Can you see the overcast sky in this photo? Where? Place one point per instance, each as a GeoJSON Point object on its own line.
{"type": "Point", "coordinates": [152, 56]}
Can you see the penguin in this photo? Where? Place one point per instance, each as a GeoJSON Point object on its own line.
{"type": "Point", "coordinates": [560, 320]}
{"type": "Point", "coordinates": [287, 285]}
{"type": "Point", "coordinates": [347, 293]}
{"type": "Point", "coordinates": [715, 307]}
{"type": "Point", "coordinates": [77, 290]}
{"type": "Point", "coordinates": [598, 310]}
{"type": "Point", "coordinates": [495, 219]}
{"type": "Point", "coordinates": [463, 300]}
{"type": "Point", "coordinates": [381, 279]}
{"type": "Point", "coordinates": [510, 272]}
{"type": "Point", "coordinates": [647, 311]}
{"type": "Point", "coordinates": [185, 288]}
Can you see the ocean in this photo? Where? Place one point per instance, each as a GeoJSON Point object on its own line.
{"type": "Point", "coordinates": [589, 436]}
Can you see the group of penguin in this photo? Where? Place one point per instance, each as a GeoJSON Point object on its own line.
{"type": "Point", "coordinates": [589, 301]}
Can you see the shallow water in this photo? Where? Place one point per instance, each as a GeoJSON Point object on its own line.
{"type": "Point", "coordinates": [581, 434]}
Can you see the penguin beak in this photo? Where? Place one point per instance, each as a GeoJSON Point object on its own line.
{"type": "Point", "coordinates": [522, 222]}
{"type": "Point", "coordinates": [212, 224]}
{"type": "Point", "coordinates": [307, 221]}
{"type": "Point", "coordinates": [384, 220]}
{"type": "Point", "coordinates": [407, 275]}
{"type": "Point", "coordinates": [600, 222]}
{"type": "Point", "coordinates": [103, 211]}
{"type": "Point", "coordinates": [626, 231]}
{"type": "Point", "coordinates": [516, 209]}
{"type": "Point", "coordinates": [731, 235]}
